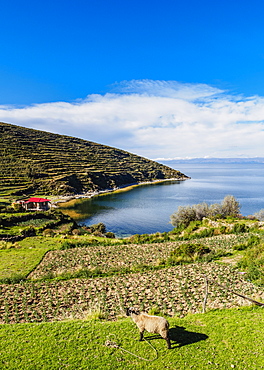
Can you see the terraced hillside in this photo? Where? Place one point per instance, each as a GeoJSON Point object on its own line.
{"type": "Point", "coordinates": [36, 161]}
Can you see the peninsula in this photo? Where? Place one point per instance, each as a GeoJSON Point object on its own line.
{"type": "Point", "coordinates": [33, 161]}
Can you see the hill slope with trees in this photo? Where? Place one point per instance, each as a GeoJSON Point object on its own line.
{"type": "Point", "coordinates": [37, 161]}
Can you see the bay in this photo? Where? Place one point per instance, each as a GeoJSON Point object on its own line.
{"type": "Point", "coordinates": [147, 208]}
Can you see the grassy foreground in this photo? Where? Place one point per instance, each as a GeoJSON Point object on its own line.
{"type": "Point", "coordinates": [220, 339]}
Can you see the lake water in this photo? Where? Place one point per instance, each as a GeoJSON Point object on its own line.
{"type": "Point", "coordinates": [147, 208]}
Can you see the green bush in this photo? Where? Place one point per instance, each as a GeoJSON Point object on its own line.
{"type": "Point", "coordinates": [110, 235]}
{"type": "Point", "coordinates": [229, 207]}
{"type": "Point", "coordinates": [48, 232]}
{"type": "Point", "coordinates": [71, 244]}
{"type": "Point", "coordinates": [240, 228]}
{"type": "Point", "coordinates": [253, 263]}
{"type": "Point", "coordinates": [252, 240]}
{"type": "Point", "coordinates": [98, 227]}
{"type": "Point", "coordinates": [29, 231]}
{"type": "Point", "coordinates": [187, 253]}
{"type": "Point", "coordinates": [240, 247]}
{"type": "Point", "coordinates": [205, 233]}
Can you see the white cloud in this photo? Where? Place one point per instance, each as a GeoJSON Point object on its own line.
{"type": "Point", "coordinates": [156, 119]}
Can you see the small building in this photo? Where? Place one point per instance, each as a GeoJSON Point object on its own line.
{"type": "Point", "coordinates": [36, 204]}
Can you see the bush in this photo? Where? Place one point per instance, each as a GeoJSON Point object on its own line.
{"type": "Point", "coordinates": [48, 232]}
{"type": "Point", "coordinates": [205, 233]}
{"type": "Point", "coordinates": [240, 247]}
{"type": "Point", "coordinates": [75, 232]}
{"type": "Point", "coordinates": [72, 244]}
{"type": "Point", "coordinates": [201, 211]}
{"type": "Point", "coordinates": [252, 240]}
{"type": "Point", "coordinates": [17, 207]}
{"type": "Point", "coordinates": [240, 228]}
{"type": "Point", "coordinates": [230, 206]}
{"type": "Point", "coordinates": [98, 227]}
{"type": "Point", "coordinates": [253, 262]}
{"type": "Point", "coordinates": [187, 253]}
{"type": "Point", "coordinates": [184, 215]}
{"type": "Point", "coordinates": [15, 279]}
{"type": "Point", "coordinates": [215, 211]}
{"type": "Point", "coordinates": [110, 235]}
{"type": "Point", "coordinates": [98, 233]}
{"type": "Point", "coordinates": [259, 215]}
{"type": "Point", "coordinates": [29, 231]}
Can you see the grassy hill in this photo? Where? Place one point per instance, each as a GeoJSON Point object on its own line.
{"type": "Point", "coordinates": [64, 294]}
{"type": "Point", "coordinates": [78, 322]}
{"type": "Point", "coordinates": [34, 161]}
{"type": "Point", "coordinates": [220, 339]}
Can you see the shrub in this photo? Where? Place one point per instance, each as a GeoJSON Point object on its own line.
{"type": "Point", "coordinates": [205, 233]}
{"type": "Point", "coordinates": [259, 215]}
{"type": "Point", "coordinates": [187, 253]}
{"type": "Point", "coordinates": [215, 211]}
{"type": "Point", "coordinates": [240, 247]}
{"type": "Point", "coordinates": [251, 241]}
{"type": "Point", "coordinates": [75, 232]}
{"type": "Point", "coordinates": [253, 262]}
{"type": "Point", "coordinates": [98, 233]}
{"type": "Point", "coordinates": [6, 245]}
{"type": "Point", "coordinates": [29, 231]}
{"type": "Point", "coordinates": [48, 232]}
{"type": "Point", "coordinates": [69, 245]}
{"type": "Point", "coordinates": [98, 227]}
{"type": "Point", "coordinates": [230, 206]}
{"type": "Point", "coordinates": [15, 279]}
{"type": "Point", "coordinates": [184, 215]}
{"type": "Point", "coordinates": [17, 207]}
{"type": "Point", "coordinates": [201, 211]}
{"type": "Point", "coordinates": [110, 235]}
{"type": "Point", "coordinates": [240, 228]}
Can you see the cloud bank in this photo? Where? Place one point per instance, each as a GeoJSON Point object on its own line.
{"type": "Point", "coordinates": [156, 119]}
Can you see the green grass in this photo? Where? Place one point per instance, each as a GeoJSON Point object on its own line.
{"type": "Point", "coordinates": [25, 255]}
{"type": "Point", "coordinates": [19, 262]}
{"type": "Point", "coordinates": [221, 339]}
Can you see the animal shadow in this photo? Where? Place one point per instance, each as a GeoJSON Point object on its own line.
{"type": "Point", "coordinates": [184, 337]}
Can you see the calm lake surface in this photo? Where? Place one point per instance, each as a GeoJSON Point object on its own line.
{"type": "Point", "coordinates": [147, 208]}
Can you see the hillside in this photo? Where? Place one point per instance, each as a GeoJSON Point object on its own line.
{"type": "Point", "coordinates": [34, 161]}
{"type": "Point", "coordinates": [65, 289]}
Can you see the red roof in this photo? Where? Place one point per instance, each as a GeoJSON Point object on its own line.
{"type": "Point", "coordinates": [37, 200]}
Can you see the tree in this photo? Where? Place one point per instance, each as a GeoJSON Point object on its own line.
{"type": "Point", "coordinates": [259, 215]}
{"type": "Point", "coordinates": [215, 210]}
{"type": "Point", "coordinates": [230, 206]}
{"type": "Point", "coordinates": [183, 216]}
{"type": "Point", "coordinates": [201, 211]}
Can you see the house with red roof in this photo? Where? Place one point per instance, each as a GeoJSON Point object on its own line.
{"type": "Point", "coordinates": [36, 204]}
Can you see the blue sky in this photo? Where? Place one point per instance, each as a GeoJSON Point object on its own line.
{"type": "Point", "coordinates": [145, 76]}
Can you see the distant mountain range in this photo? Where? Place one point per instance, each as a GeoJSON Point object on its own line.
{"type": "Point", "coordinates": [33, 161]}
{"type": "Point", "coordinates": [213, 160]}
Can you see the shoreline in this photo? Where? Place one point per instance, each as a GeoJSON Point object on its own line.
{"type": "Point", "coordinates": [61, 199]}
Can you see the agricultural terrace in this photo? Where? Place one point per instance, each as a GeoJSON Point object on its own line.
{"type": "Point", "coordinates": [109, 259]}
{"type": "Point", "coordinates": [174, 291]}
{"type": "Point", "coordinates": [68, 271]}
